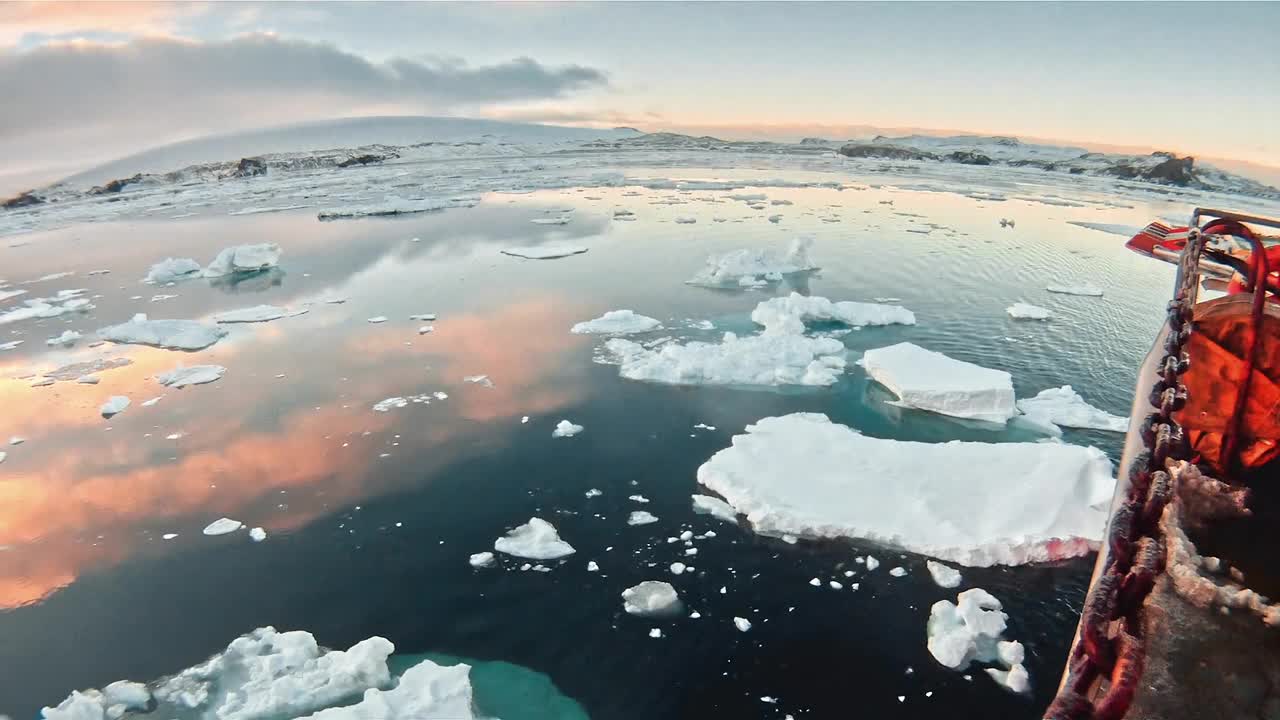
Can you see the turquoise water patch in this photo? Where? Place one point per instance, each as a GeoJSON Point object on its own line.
{"type": "Point", "coordinates": [504, 690]}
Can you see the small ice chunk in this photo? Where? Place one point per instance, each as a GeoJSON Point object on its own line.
{"type": "Point", "coordinates": [651, 598]}
{"type": "Point", "coordinates": [775, 219]}
{"type": "Point", "coordinates": [1065, 408]}
{"type": "Point", "coordinates": [872, 563]}
{"type": "Point", "coordinates": [752, 268]}
{"type": "Point", "coordinates": [15, 440]}
{"type": "Point", "coordinates": [560, 220]}
{"type": "Point", "coordinates": [835, 585]}
{"type": "Point", "coordinates": [742, 624]}
{"type": "Point", "coordinates": [685, 220]}
{"type": "Point", "coordinates": [815, 582]}
{"type": "Point", "coordinates": [789, 314]}
{"type": "Point", "coordinates": [655, 633]}
{"type": "Point", "coordinates": [378, 319]}
{"type": "Point", "coordinates": [181, 377]}
{"type": "Point", "coordinates": [898, 571]}
{"type": "Point", "coordinates": [617, 322]}
{"type": "Point", "coordinates": [524, 420]}
{"type": "Point", "coordinates": [167, 334]}
{"type": "Point", "coordinates": [152, 401]}
{"type": "Point", "coordinates": [1085, 289]}
{"type": "Point", "coordinates": [1015, 679]}
{"type": "Point", "coordinates": [545, 252]}
{"type": "Point", "coordinates": [257, 534]}
{"type": "Point", "coordinates": [257, 313]}
{"type": "Point", "coordinates": [943, 575]}
{"type": "Point", "coordinates": [11, 345]}
{"type": "Point", "coordinates": [593, 567]}
{"type": "Point", "coordinates": [3, 455]}
{"type": "Point", "coordinates": [222, 526]}
{"type": "Point", "coordinates": [66, 339]}
{"type": "Point", "coordinates": [686, 536]}
{"type": "Point", "coordinates": [1010, 652]}
{"type": "Point", "coordinates": [423, 317]}
{"type": "Point", "coordinates": [1026, 311]}
{"type": "Point", "coordinates": [931, 381]}
{"type": "Point", "coordinates": [593, 492]}
{"type": "Point", "coordinates": [715, 507]}
{"type": "Point", "coordinates": [678, 568]}
{"type": "Point", "coordinates": [641, 517]}
{"type": "Point", "coordinates": [482, 380]}
{"type": "Point", "coordinates": [426, 329]}
{"type": "Point", "coordinates": [969, 631]}
{"type": "Point", "coordinates": [88, 380]}
{"type": "Point", "coordinates": [169, 536]}
{"type": "Point", "coordinates": [244, 259]}
{"type": "Point", "coordinates": [172, 270]}
{"type": "Point", "coordinates": [114, 405]}
{"type": "Point", "coordinates": [481, 559]}
{"type": "Point", "coordinates": [638, 498]}
{"type": "Point", "coordinates": [564, 428]}
{"type": "Point", "coordinates": [535, 540]}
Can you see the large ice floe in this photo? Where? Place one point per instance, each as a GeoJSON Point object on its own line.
{"type": "Point", "coordinates": [970, 630]}
{"type": "Point", "coordinates": [244, 259]}
{"type": "Point", "coordinates": [257, 313]}
{"type": "Point", "coordinates": [535, 540]}
{"type": "Point", "coordinates": [780, 355]}
{"type": "Point", "coordinates": [617, 322]}
{"type": "Point", "coordinates": [1063, 407]}
{"type": "Point", "coordinates": [169, 334]}
{"type": "Point", "coordinates": [755, 268]}
{"type": "Point", "coordinates": [931, 381]}
{"type": "Point", "coordinates": [972, 503]}
{"type": "Point", "coordinates": [651, 598]}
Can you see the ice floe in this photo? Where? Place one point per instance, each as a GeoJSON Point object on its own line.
{"type": "Point", "coordinates": [535, 540]}
{"type": "Point", "coordinates": [481, 559]}
{"type": "Point", "coordinates": [482, 380]}
{"type": "Point", "coordinates": [11, 345]}
{"type": "Point", "coordinates": [222, 526]}
{"type": "Point", "coordinates": [944, 575]}
{"type": "Point", "coordinates": [172, 270]}
{"type": "Point", "coordinates": [686, 220]}
{"type": "Point", "coordinates": [545, 252]}
{"type": "Point", "coordinates": [972, 503]}
{"type": "Point", "coordinates": [1064, 407]}
{"type": "Point", "coordinates": [755, 268]}
{"type": "Point", "coordinates": [970, 630]}
{"type": "Point", "coordinates": [394, 207]}
{"type": "Point", "coordinates": [110, 703]}
{"type": "Point", "coordinates": [641, 517]}
{"type": "Point", "coordinates": [257, 313]}
{"type": "Point", "coordinates": [426, 691]}
{"type": "Point", "coordinates": [66, 339]}
{"type": "Point", "coordinates": [790, 314]}
{"type": "Point", "coordinates": [715, 507]}
{"type": "Point", "coordinates": [65, 301]}
{"type": "Point", "coordinates": [114, 405]}
{"type": "Point", "coordinates": [181, 376]}
{"type": "Point", "coordinates": [564, 428]}
{"type": "Point", "coordinates": [617, 322]}
{"type": "Point", "coordinates": [742, 624]}
{"type": "Point", "coordinates": [1112, 228]}
{"type": "Point", "coordinates": [1027, 311]}
{"type": "Point", "coordinates": [78, 370]}
{"type": "Point", "coordinates": [1085, 289]}
{"type": "Point", "coordinates": [244, 259]}
{"type": "Point", "coordinates": [257, 534]}
{"type": "Point", "coordinates": [765, 359]}
{"type": "Point", "coordinates": [931, 381]}
{"type": "Point", "coordinates": [168, 334]}
{"type": "Point", "coordinates": [651, 598]}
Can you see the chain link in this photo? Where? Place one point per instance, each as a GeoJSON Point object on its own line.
{"type": "Point", "coordinates": [1111, 650]}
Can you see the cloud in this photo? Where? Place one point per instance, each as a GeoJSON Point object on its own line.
{"type": "Point", "coordinates": [84, 96]}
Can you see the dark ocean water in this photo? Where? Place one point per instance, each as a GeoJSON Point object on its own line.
{"type": "Point", "coordinates": [364, 544]}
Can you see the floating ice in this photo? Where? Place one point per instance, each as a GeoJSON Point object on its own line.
{"type": "Point", "coordinates": [257, 313]}
{"type": "Point", "coordinates": [378, 319]}
{"type": "Point", "coordinates": [257, 534]}
{"type": "Point", "coordinates": [593, 492]}
{"type": "Point", "coordinates": [592, 566]}
{"type": "Point", "coordinates": [11, 345]}
{"type": "Point", "coordinates": [181, 377]}
{"type": "Point", "coordinates": [775, 219]}
{"type": "Point", "coordinates": [932, 381]}
{"type": "Point", "coordinates": [945, 576]}
{"type": "Point", "coordinates": [764, 359]}
{"type": "Point", "coordinates": [561, 220]}
{"type": "Point", "coordinates": [112, 702]}
{"type": "Point", "coordinates": [88, 380]}
{"type": "Point", "coordinates": [482, 380]}
{"type": "Point", "coordinates": [169, 334]}
{"type": "Point", "coordinates": [898, 572]}
{"type": "Point", "coordinates": [641, 517]}
{"type": "Point", "coordinates": [685, 220]}
{"type": "Point", "coordinates": [617, 322]}
{"type": "Point", "coordinates": [244, 259]}
{"type": "Point", "coordinates": [426, 329]}
{"type": "Point", "coordinates": [1065, 408]}
{"type": "Point", "coordinates": [269, 674]}
{"type": "Point", "coordinates": [564, 428]}
{"type": "Point", "coordinates": [1082, 289]}
{"type": "Point", "coordinates": [394, 207]}
{"type": "Point", "coordinates": [545, 252]}
{"type": "Point", "coordinates": [535, 540]}
{"type": "Point", "coordinates": [66, 339]}
{"type": "Point", "coordinates": [677, 568]}
{"type": "Point", "coordinates": [1026, 311]}
{"type": "Point", "coordinates": [222, 526]}
{"type": "Point", "coordinates": [1111, 228]}
{"type": "Point", "coordinates": [715, 507]}
{"type": "Point", "coordinates": [742, 624]}
{"type": "Point", "coordinates": [789, 314]}
{"type": "Point", "coordinates": [651, 598]}
{"type": "Point", "coordinates": [114, 406]}
{"type": "Point", "coordinates": [426, 691]}
{"type": "Point", "coordinates": [481, 559]}
{"type": "Point", "coordinates": [172, 270]}
{"type": "Point", "coordinates": [972, 503]}
{"type": "Point", "coordinates": [63, 302]}
{"type": "Point", "coordinates": [969, 631]}
{"type": "Point", "coordinates": [749, 268]}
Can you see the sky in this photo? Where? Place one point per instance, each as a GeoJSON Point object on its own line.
{"type": "Point", "coordinates": [88, 82]}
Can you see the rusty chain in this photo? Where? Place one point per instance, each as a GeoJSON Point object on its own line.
{"type": "Point", "coordinates": [1106, 663]}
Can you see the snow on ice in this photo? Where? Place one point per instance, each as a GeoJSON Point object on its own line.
{"type": "Point", "coordinates": [481, 559]}
{"type": "Point", "coordinates": [168, 334]}
{"type": "Point", "coordinates": [972, 503]}
{"type": "Point", "coordinates": [181, 377]}
{"type": "Point", "coordinates": [970, 630]}
{"type": "Point", "coordinates": [931, 381]}
{"type": "Point", "coordinates": [535, 540]}
{"type": "Point", "coordinates": [651, 598]}
{"type": "Point", "coordinates": [617, 322]}
{"type": "Point", "coordinates": [66, 339]}
{"type": "Point", "coordinates": [1064, 407]}
{"type": "Point", "coordinates": [257, 534]}
{"type": "Point", "coordinates": [63, 302]}
{"type": "Point", "coordinates": [788, 315]}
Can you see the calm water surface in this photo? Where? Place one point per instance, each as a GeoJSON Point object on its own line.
{"type": "Point", "coordinates": [371, 516]}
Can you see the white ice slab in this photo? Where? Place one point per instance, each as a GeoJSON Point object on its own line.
{"type": "Point", "coordinates": [168, 334]}
{"type": "Point", "coordinates": [257, 313]}
{"type": "Point", "coordinates": [970, 630]}
{"type": "Point", "coordinates": [66, 339]}
{"type": "Point", "coordinates": [641, 517]}
{"type": "Point", "coordinates": [764, 359]}
{"type": "Point", "coordinates": [172, 270]}
{"type": "Point", "coordinates": [972, 503]}
{"type": "Point", "coordinates": [932, 381]}
{"type": "Point", "coordinates": [222, 526]}
{"type": "Point", "coordinates": [617, 322]}
{"type": "Point", "coordinates": [564, 428]}
{"type": "Point", "coordinates": [114, 405]}
{"type": "Point", "coordinates": [1027, 311]}
{"type": "Point", "coordinates": [753, 268]}
{"type": "Point", "coordinates": [545, 252]}
{"type": "Point", "coordinates": [715, 507]}
{"type": "Point", "coordinates": [790, 314]}
{"type": "Point", "coordinates": [535, 540]}
{"type": "Point", "coordinates": [481, 560]}
{"type": "Point", "coordinates": [944, 575]}
{"type": "Point", "coordinates": [426, 691]}
{"type": "Point", "coordinates": [1065, 408]}
{"type": "Point", "coordinates": [244, 259]}
{"type": "Point", "coordinates": [181, 377]}
{"type": "Point", "coordinates": [1112, 228]}
{"type": "Point", "coordinates": [651, 598]}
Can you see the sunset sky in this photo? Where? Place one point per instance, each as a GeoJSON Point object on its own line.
{"type": "Point", "coordinates": [85, 83]}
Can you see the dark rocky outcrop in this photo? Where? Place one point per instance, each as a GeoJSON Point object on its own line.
{"type": "Point", "coordinates": [116, 186]}
{"type": "Point", "coordinates": [812, 141]}
{"type": "Point", "coordinates": [365, 159]}
{"type": "Point", "coordinates": [249, 167]}
{"type": "Point", "coordinates": [1174, 170]}
{"type": "Point", "coordinates": [968, 157]}
{"type": "Point", "coordinates": [888, 152]}
{"type": "Point", "coordinates": [25, 199]}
